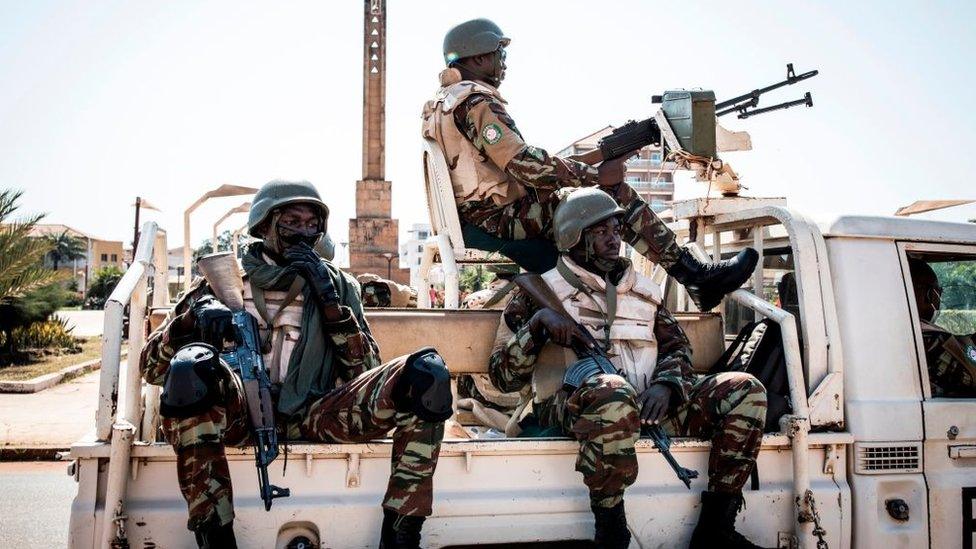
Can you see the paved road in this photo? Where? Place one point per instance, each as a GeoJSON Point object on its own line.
{"type": "Point", "coordinates": [56, 417]}
{"type": "Point", "coordinates": [36, 504]}
{"type": "Point", "coordinates": [86, 323]}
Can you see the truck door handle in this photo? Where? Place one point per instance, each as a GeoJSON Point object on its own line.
{"type": "Point", "coordinates": [962, 451]}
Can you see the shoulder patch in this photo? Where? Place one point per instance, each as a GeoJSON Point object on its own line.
{"type": "Point", "coordinates": [491, 133]}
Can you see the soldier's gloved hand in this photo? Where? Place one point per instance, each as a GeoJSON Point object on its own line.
{"type": "Point", "coordinates": [309, 265]}
{"type": "Point", "coordinates": [213, 321]}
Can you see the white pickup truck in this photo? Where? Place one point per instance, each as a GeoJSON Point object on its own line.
{"type": "Point", "coordinates": [867, 458]}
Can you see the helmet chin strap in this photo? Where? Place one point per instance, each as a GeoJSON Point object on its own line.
{"type": "Point", "coordinates": [603, 265]}
{"type": "Point", "coordinates": [489, 78]}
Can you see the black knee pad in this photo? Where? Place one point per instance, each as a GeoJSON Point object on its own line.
{"type": "Point", "coordinates": [424, 388]}
{"type": "Point", "coordinates": [192, 385]}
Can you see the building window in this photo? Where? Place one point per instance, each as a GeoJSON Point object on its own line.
{"type": "Point", "coordinates": [420, 248]}
{"type": "Point", "coordinates": [104, 257]}
{"type": "Point", "coordinates": [656, 157]}
{"type": "Point", "coordinates": [115, 258]}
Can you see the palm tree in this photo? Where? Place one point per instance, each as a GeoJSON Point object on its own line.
{"type": "Point", "coordinates": [65, 247]}
{"type": "Point", "coordinates": [21, 256]}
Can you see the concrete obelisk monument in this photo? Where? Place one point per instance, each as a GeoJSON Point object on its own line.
{"type": "Point", "coordinates": [373, 234]}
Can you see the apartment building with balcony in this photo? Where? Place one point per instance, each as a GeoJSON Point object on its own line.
{"type": "Point", "coordinates": [647, 173]}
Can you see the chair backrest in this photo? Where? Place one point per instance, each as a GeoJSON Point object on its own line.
{"type": "Point", "coordinates": [440, 196]}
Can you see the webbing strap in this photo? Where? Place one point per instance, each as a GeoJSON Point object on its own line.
{"type": "Point", "coordinates": [262, 305]}
{"type": "Point", "coordinates": [500, 294]}
{"type": "Point", "coordinates": [611, 294]}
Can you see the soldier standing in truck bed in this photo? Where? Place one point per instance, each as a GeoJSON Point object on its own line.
{"type": "Point", "coordinates": [506, 189]}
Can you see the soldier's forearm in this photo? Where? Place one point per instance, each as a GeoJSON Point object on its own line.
{"type": "Point", "coordinates": [534, 167]}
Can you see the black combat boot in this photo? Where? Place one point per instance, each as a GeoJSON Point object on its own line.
{"type": "Point", "coordinates": [611, 527]}
{"type": "Point", "coordinates": [708, 283]}
{"type": "Point", "coordinates": [716, 523]}
{"type": "Point", "coordinates": [215, 536]}
{"type": "Point", "coordinates": [400, 531]}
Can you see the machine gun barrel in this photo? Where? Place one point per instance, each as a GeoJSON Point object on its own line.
{"type": "Point", "coordinates": [807, 100]}
{"type": "Point", "coordinates": [742, 102]}
{"type": "Point", "coordinates": [543, 296]}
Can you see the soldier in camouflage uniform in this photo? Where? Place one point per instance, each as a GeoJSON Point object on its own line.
{"type": "Point", "coordinates": [329, 385]}
{"type": "Point", "coordinates": [654, 382]}
{"type": "Point", "coordinates": [951, 358]}
{"type": "Point", "coordinates": [509, 189]}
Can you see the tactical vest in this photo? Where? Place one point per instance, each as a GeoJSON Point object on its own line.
{"type": "Point", "coordinates": [282, 311]}
{"type": "Point", "coordinates": [633, 348]}
{"type": "Point", "coordinates": [473, 176]}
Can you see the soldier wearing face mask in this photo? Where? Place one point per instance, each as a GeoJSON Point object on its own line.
{"type": "Point", "coordinates": [324, 365]}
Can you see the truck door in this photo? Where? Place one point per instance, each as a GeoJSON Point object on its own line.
{"type": "Point", "coordinates": [941, 280]}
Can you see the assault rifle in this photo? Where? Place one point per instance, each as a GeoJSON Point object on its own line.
{"type": "Point", "coordinates": [585, 346]}
{"type": "Point", "coordinates": [224, 278]}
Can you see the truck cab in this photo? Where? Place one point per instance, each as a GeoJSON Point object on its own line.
{"type": "Point", "coordinates": [867, 457]}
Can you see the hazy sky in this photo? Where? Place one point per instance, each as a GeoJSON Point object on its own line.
{"type": "Point", "coordinates": [101, 101]}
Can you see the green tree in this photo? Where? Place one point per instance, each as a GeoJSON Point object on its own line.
{"type": "Point", "coordinates": [101, 287]}
{"type": "Point", "coordinates": [21, 257]}
{"type": "Point", "coordinates": [472, 279]}
{"type": "Point", "coordinates": [224, 240]}
{"type": "Point", "coordinates": [64, 248]}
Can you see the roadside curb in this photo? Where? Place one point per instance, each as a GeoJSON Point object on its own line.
{"type": "Point", "coordinates": [30, 454]}
{"type": "Point", "coordinates": [47, 381]}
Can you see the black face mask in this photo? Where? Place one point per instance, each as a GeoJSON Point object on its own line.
{"type": "Point", "coordinates": [292, 236]}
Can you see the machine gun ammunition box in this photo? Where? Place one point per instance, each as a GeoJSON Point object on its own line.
{"type": "Point", "coordinates": [692, 117]}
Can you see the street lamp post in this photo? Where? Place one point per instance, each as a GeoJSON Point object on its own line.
{"type": "Point", "coordinates": [389, 264]}
{"type": "Point", "coordinates": [221, 191]}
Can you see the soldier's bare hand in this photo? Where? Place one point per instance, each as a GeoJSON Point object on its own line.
{"type": "Point", "coordinates": [654, 403]}
{"type": "Point", "coordinates": [612, 171]}
{"type": "Point", "coordinates": [561, 330]}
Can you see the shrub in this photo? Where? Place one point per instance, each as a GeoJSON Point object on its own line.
{"type": "Point", "coordinates": [103, 283]}
{"type": "Point", "coordinates": [35, 306]}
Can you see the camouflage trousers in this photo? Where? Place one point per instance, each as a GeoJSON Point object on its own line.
{"type": "Point", "coordinates": [728, 408]}
{"type": "Point", "coordinates": [531, 217]}
{"type": "Point", "coordinates": [358, 411]}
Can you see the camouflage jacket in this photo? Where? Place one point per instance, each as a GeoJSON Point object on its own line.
{"type": "Point", "coordinates": [951, 362]}
{"type": "Point", "coordinates": [513, 359]}
{"type": "Point", "coordinates": [355, 350]}
{"type": "Point", "coordinates": [532, 166]}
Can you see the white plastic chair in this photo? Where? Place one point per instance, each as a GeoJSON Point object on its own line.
{"type": "Point", "coordinates": [447, 242]}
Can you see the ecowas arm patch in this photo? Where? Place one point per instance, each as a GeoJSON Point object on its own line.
{"type": "Point", "coordinates": [491, 133]}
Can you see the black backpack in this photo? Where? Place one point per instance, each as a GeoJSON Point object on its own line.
{"type": "Point", "coordinates": [758, 350]}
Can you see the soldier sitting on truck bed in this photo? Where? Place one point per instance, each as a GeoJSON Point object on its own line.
{"type": "Point", "coordinates": [324, 364]}
{"type": "Point", "coordinates": [506, 189]}
{"type": "Point", "coordinates": [654, 380]}
{"type": "Point", "coordinates": [951, 358]}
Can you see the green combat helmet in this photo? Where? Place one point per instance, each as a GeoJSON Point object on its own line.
{"type": "Point", "coordinates": [579, 210]}
{"type": "Point", "coordinates": [278, 193]}
{"type": "Point", "coordinates": [473, 37]}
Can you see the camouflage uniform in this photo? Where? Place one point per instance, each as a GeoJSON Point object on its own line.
{"type": "Point", "coordinates": [603, 413]}
{"type": "Point", "coordinates": [542, 176]}
{"type": "Point", "coordinates": [951, 362]}
{"type": "Point", "coordinates": [358, 410]}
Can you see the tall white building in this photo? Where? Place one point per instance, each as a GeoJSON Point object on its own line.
{"type": "Point", "coordinates": [412, 250]}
